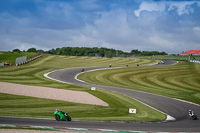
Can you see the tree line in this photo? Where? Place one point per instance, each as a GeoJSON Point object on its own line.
{"type": "Point", "coordinates": [95, 51]}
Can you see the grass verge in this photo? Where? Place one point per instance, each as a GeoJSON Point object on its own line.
{"type": "Point", "coordinates": [181, 81]}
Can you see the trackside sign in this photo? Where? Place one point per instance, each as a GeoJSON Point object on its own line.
{"type": "Point", "coordinates": [93, 88]}
{"type": "Point", "coordinates": [132, 111]}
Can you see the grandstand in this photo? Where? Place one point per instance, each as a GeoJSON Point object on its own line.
{"type": "Point", "coordinates": [191, 52]}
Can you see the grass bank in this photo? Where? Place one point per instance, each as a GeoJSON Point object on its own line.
{"type": "Point", "coordinates": [180, 81]}
{"type": "Point", "coordinates": [11, 56]}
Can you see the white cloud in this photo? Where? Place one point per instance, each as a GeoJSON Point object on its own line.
{"type": "Point", "coordinates": [182, 7]}
{"type": "Point", "coordinates": [149, 6]}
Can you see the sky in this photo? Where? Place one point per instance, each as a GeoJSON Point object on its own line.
{"type": "Point", "coordinates": [147, 25]}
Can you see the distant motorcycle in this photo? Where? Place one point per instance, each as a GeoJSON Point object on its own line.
{"type": "Point", "coordinates": [61, 116]}
{"type": "Point", "coordinates": [192, 115]}
{"type": "Point", "coordinates": [82, 70]}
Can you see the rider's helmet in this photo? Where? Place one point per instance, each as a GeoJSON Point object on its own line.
{"type": "Point", "coordinates": [190, 111]}
{"type": "Point", "coordinates": [57, 109]}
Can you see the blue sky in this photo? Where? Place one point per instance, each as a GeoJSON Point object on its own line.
{"type": "Point", "coordinates": [169, 26]}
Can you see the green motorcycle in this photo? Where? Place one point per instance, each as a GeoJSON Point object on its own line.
{"type": "Point", "coordinates": [61, 116]}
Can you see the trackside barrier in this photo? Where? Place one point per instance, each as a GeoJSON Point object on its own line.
{"type": "Point", "coordinates": [20, 60]}
{"type": "Point", "coordinates": [27, 61]}
{"type": "Point", "coordinates": [196, 61]}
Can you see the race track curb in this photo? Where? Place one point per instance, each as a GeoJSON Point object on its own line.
{"type": "Point", "coordinates": [66, 129]}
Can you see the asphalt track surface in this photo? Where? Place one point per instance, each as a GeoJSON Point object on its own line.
{"type": "Point", "coordinates": [175, 108]}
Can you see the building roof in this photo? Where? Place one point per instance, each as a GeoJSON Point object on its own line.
{"type": "Point", "coordinates": [193, 52]}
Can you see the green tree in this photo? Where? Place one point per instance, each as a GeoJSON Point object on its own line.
{"type": "Point", "coordinates": [32, 50]}
{"type": "Point", "coordinates": [135, 52]}
{"type": "Point", "coordinates": [52, 51]}
{"type": "Point", "coordinates": [95, 51]}
{"type": "Point", "coordinates": [40, 51]}
{"type": "Point", "coordinates": [16, 50]}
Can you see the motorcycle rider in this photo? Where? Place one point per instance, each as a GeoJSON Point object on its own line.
{"type": "Point", "coordinates": [61, 112]}
{"type": "Point", "coordinates": [191, 113]}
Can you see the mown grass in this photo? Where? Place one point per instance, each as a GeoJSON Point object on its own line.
{"type": "Point", "coordinates": [75, 61]}
{"type": "Point", "coordinates": [44, 108]}
{"type": "Point", "coordinates": [180, 81]}
{"type": "Point", "coordinates": [32, 74]}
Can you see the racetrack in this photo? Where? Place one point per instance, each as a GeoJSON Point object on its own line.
{"type": "Point", "coordinates": [175, 108]}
